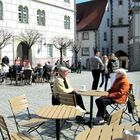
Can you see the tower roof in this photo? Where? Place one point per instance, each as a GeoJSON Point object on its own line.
{"type": "Point", "coordinates": [89, 14]}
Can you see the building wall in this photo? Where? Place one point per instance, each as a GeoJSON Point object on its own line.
{"type": "Point", "coordinates": [88, 44]}
{"type": "Point", "coordinates": [104, 45]}
{"type": "Point", "coordinates": [55, 11]}
{"type": "Point", "coordinates": [134, 49]}
{"type": "Point", "coordinates": [120, 11]}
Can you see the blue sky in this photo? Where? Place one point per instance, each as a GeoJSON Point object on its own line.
{"type": "Point", "coordinates": [79, 1]}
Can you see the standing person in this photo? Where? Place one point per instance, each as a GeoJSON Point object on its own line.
{"type": "Point", "coordinates": [113, 65]}
{"type": "Point", "coordinates": [105, 73]}
{"type": "Point", "coordinates": [95, 65]}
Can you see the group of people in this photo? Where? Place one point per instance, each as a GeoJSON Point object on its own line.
{"type": "Point", "coordinates": [117, 93]}
{"type": "Point", "coordinates": [106, 66]}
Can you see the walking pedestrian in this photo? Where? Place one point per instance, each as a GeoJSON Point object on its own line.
{"type": "Point", "coordinates": [105, 73]}
{"type": "Point", "coordinates": [96, 65]}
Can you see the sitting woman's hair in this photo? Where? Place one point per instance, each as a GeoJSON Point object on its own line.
{"type": "Point", "coordinates": [121, 71]}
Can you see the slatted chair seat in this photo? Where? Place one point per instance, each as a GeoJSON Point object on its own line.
{"type": "Point", "coordinates": [13, 136]}
{"type": "Point", "coordinates": [19, 105]}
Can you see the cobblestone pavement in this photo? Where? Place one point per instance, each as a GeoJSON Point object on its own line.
{"type": "Point", "coordinates": [40, 95]}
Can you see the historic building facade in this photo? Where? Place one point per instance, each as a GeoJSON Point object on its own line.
{"type": "Point", "coordinates": [50, 18]}
{"type": "Point", "coordinates": [134, 41]}
{"type": "Point", "coordinates": [111, 33]}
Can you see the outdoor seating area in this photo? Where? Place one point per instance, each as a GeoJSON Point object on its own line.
{"type": "Point", "coordinates": [34, 120]}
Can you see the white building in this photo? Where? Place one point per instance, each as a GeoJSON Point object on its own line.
{"type": "Point", "coordinates": [51, 18]}
{"type": "Point", "coordinates": [110, 34]}
{"type": "Point", "coordinates": [89, 17]}
{"type": "Point", "coordinates": [119, 10]}
{"type": "Point", "coordinates": [134, 49]}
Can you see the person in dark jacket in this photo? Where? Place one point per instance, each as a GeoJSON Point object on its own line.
{"type": "Point", "coordinates": [113, 65]}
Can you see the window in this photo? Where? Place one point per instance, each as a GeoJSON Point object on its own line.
{"type": "Point", "coordinates": [107, 51]}
{"type": "Point", "coordinates": [103, 51]}
{"type": "Point", "coordinates": [85, 51]}
{"type": "Point", "coordinates": [66, 22]}
{"type": "Point", "coordinates": [120, 39]}
{"type": "Point", "coordinates": [1, 10]}
{"type": "Point", "coordinates": [68, 1]}
{"type": "Point", "coordinates": [107, 22]}
{"type": "Point", "coordinates": [41, 17]}
{"type": "Point", "coordinates": [23, 14]}
{"type": "Point", "coordinates": [120, 21]}
{"type": "Point", "coordinates": [105, 36]}
{"type": "Point", "coordinates": [50, 50]}
{"type": "Point", "coordinates": [85, 36]}
{"type": "Point", "coordinates": [120, 2]}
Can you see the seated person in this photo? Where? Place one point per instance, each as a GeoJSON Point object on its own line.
{"type": "Point", "coordinates": [62, 85]}
{"type": "Point", "coordinates": [116, 94]}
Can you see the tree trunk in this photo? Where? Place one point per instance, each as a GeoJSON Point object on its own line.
{"type": "Point", "coordinates": [76, 59]}
{"type": "Point", "coordinates": [0, 54]}
{"type": "Point", "coordinates": [61, 58]}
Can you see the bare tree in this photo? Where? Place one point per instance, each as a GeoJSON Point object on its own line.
{"type": "Point", "coordinates": [29, 38]}
{"type": "Point", "coordinates": [76, 48]}
{"type": "Point", "coordinates": [5, 39]}
{"type": "Point", "coordinates": [61, 43]}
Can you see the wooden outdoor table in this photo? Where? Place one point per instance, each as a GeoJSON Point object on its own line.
{"type": "Point", "coordinates": [105, 132]}
{"type": "Point", "coordinates": [92, 93]}
{"type": "Point", "coordinates": [58, 112]}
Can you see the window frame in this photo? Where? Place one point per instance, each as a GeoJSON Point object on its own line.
{"type": "Point", "coordinates": [23, 14]}
{"type": "Point", "coordinates": [120, 21]}
{"type": "Point", "coordinates": [1, 10]}
{"type": "Point", "coordinates": [85, 51]}
{"type": "Point", "coordinates": [41, 20]}
{"type": "Point", "coordinates": [120, 2]}
{"type": "Point", "coordinates": [120, 39]}
{"type": "Point", "coordinates": [85, 35]}
{"type": "Point", "coordinates": [67, 22]}
{"type": "Point", "coordinates": [50, 50]}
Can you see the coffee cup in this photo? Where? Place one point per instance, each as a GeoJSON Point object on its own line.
{"type": "Point", "coordinates": [83, 87]}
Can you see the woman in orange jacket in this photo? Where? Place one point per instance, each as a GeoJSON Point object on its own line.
{"type": "Point", "coordinates": [116, 94]}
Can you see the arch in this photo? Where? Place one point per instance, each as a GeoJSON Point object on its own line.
{"type": "Point", "coordinates": [123, 59]}
{"type": "Point", "coordinates": [121, 53]}
{"type": "Point", "coordinates": [22, 51]}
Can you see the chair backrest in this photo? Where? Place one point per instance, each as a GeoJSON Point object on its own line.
{"type": "Point", "coordinates": [27, 74]}
{"type": "Point", "coordinates": [115, 118]}
{"type": "Point", "coordinates": [51, 86]}
{"type": "Point", "coordinates": [67, 99]}
{"type": "Point", "coordinates": [19, 104]}
{"type": "Point", "coordinates": [3, 129]}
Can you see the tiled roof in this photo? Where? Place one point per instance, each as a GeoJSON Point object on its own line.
{"type": "Point", "coordinates": [89, 14]}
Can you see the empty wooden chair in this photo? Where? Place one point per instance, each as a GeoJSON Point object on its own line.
{"type": "Point", "coordinates": [19, 105]}
{"type": "Point", "coordinates": [13, 136]}
{"type": "Point", "coordinates": [115, 118]}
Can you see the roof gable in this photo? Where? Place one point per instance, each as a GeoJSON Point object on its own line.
{"type": "Point", "coordinates": [89, 14]}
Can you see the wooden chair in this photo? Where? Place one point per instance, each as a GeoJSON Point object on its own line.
{"type": "Point", "coordinates": [124, 106]}
{"type": "Point", "coordinates": [13, 136]}
{"type": "Point", "coordinates": [115, 118]}
{"type": "Point", "coordinates": [134, 108]}
{"type": "Point", "coordinates": [27, 76]}
{"type": "Point", "coordinates": [70, 99]}
{"type": "Point", "coordinates": [55, 100]}
{"type": "Point", "coordinates": [67, 99]}
{"type": "Point", "coordinates": [19, 105]}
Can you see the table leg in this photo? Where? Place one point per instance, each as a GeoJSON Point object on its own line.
{"type": "Point", "coordinates": [57, 129]}
{"type": "Point", "coordinates": [91, 111]}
